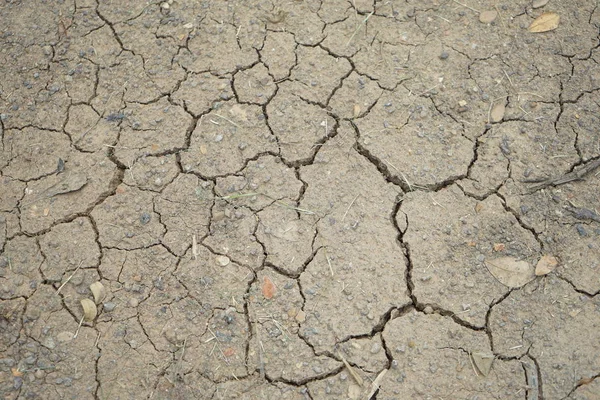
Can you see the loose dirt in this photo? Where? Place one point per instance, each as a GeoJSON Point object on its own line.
{"type": "Point", "coordinates": [300, 200]}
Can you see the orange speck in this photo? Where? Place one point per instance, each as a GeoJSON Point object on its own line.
{"type": "Point", "coordinates": [228, 352]}
{"type": "Point", "coordinates": [499, 247]}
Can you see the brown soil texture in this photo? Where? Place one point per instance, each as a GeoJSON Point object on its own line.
{"type": "Point", "coordinates": [300, 199]}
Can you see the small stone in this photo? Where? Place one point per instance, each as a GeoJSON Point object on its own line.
{"type": "Point", "coordinates": [223, 261]}
{"type": "Point", "coordinates": [301, 316]}
{"type": "Point", "coordinates": [65, 336]}
{"type": "Point", "coordinates": [428, 310]}
{"type": "Point", "coordinates": [145, 218]}
{"type": "Point", "coordinates": [375, 348]}
{"type": "Point", "coordinates": [133, 302]}
{"type": "Point", "coordinates": [546, 265]}
{"type": "Point", "coordinates": [444, 55]}
{"type": "Point", "coordinates": [487, 17]}
{"type": "Point", "coordinates": [354, 391]}
{"type": "Point", "coordinates": [497, 112]}
{"type": "Point", "coordinates": [109, 306]}
{"type": "Point", "coordinates": [539, 3]}
{"type": "Point", "coordinates": [581, 230]}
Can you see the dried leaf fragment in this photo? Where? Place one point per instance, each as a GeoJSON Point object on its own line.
{"type": "Point", "coordinates": [546, 265]}
{"type": "Point", "coordinates": [268, 288]}
{"type": "Point", "coordinates": [89, 310]}
{"type": "Point", "coordinates": [548, 21]}
{"type": "Point", "coordinates": [98, 291]}
{"type": "Point", "coordinates": [510, 271]}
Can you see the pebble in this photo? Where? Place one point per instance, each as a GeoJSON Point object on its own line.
{"type": "Point", "coordinates": [301, 316]}
{"type": "Point", "coordinates": [145, 218]}
{"type": "Point", "coordinates": [444, 55]}
{"type": "Point", "coordinates": [354, 391]}
{"type": "Point", "coordinates": [428, 310]}
{"type": "Point", "coordinates": [581, 230]}
{"type": "Point", "coordinates": [375, 348]}
{"type": "Point", "coordinates": [539, 3]}
{"type": "Point", "coordinates": [109, 306]}
{"type": "Point", "coordinates": [497, 113]}
{"type": "Point", "coordinates": [223, 261]}
{"type": "Point", "coordinates": [133, 302]}
{"type": "Point", "coordinates": [487, 17]}
{"type": "Point", "coordinates": [65, 336]}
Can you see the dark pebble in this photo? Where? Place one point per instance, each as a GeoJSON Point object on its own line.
{"type": "Point", "coordinates": [444, 55]}
{"type": "Point", "coordinates": [581, 230]}
{"type": "Point", "coordinates": [159, 284]}
{"type": "Point", "coordinates": [504, 146]}
{"type": "Point", "coordinates": [145, 218]}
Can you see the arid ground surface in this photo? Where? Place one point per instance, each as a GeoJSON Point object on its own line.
{"type": "Point", "coordinates": [299, 199]}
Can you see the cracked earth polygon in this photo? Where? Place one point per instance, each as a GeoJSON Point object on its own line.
{"type": "Point", "coordinates": [298, 200]}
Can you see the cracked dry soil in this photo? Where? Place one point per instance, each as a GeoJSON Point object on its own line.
{"type": "Point", "coordinates": [297, 200]}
